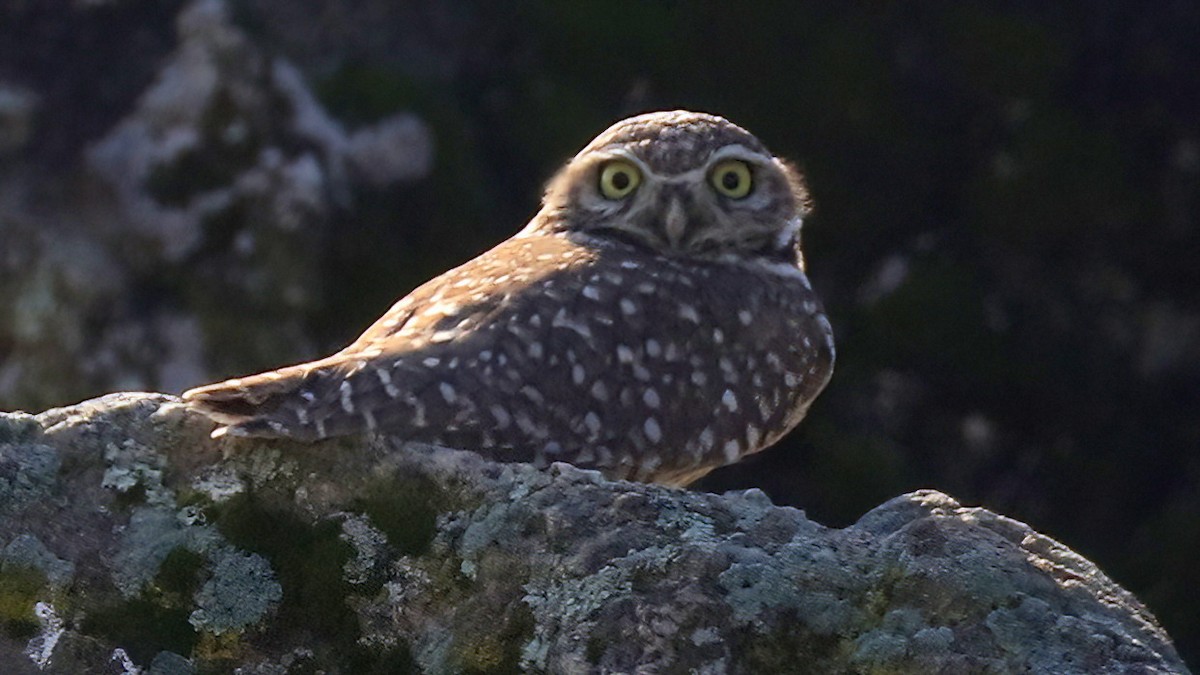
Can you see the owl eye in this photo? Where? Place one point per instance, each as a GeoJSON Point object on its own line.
{"type": "Point", "coordinates": [732, 178]}
{"type": "Point", "coordinates": [618, 179]}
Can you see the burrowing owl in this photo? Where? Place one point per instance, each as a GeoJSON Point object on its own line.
{"type": "Point", "coordinates": [652, 321]}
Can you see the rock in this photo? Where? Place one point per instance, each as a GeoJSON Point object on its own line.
{"type": "Point", "coordinates": [130, 539]}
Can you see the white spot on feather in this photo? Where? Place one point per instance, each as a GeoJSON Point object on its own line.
{"type": "Point", "coordinates": [536, 350]}
{"type": "Point", "coordinates": [503, 419]}
{"type": "Point", "coordinates": [385, 378]}
{"type": "Point", "coordinates": [561, 320]}
{"type": "Point", "coordinates": [653, 431]}
{"type": "Point", "coordinates": [650, 397]}
{"type": "Point", "coordinates": [592, 421]}
{"type": "Point", "coordinates": [672, 353]}
{"type": "Point", "coordinates": [653, 348]}
{"type": "Point", "coordinates": [729, 399]}
{"type": "Point", "coordinates": [752, 436]}
{"type": "Point", "coordinates": [765, 406]}
{"type": "Point", "coordinates": [732, 451]}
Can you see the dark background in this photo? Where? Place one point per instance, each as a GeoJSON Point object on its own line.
{"type": "Point", "coordinates": [1006, 234]}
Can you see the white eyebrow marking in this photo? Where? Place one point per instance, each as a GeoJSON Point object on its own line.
{"type": "Point", "coordinates": [731, 151]}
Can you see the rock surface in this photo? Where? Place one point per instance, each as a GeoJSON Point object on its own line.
{"type": "Point", "coordinates": [131, 542]}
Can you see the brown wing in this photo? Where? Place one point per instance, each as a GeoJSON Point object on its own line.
{"type": "Point", "coordinates": [385, 377]}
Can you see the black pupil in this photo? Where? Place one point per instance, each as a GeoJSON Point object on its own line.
{"type": "Point", "coordinates": [620, 180]}
{"type": "Point", "coordinates": [730, 180]}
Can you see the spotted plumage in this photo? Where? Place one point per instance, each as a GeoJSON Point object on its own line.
{"type": "Point", "coordinates": [653, 321]}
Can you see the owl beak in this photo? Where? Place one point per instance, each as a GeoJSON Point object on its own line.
{"type": "Point", "coordinates": [675, 223]}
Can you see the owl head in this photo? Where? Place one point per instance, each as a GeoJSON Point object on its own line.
{"type": "Point", "coordinates": [684, 184]}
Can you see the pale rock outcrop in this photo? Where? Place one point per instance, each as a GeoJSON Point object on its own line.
{"type": "Point", "coordinates": [130, 539]}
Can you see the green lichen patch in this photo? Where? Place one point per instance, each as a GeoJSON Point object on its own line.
{"type": "Point", "coordinates": [156, 620]}
{"type": "Point", "coordinates": [948, 601]}
{"type": "Point", "coordinates": [218, 654]}
{"type": "Point", "coordinates": [881, 596]}
{"type": "Point", "coordinates": [491, 625]}
{"type": "Point", "coordinates": [179, 575]}
{"type": "Point", "coordinates": [499, 651]}
{"type": "Point", "coordinates": [405, 509]}
{"type": "Point", "coordinates": [130, 498]}
{"type": "Point", "coordinates": [395, 661]}
{"type": "Point", "coordinates": [189, 497]}
{"type": "Point", "coordinates": [775, 651]}
{"type": "Point", "coordinates": [20, 589]}
{"type": "Point", "coordinates": [361, 660]}
{"type": "Point", "coordinates": [308, 559]}
{"type": "Point", "coordinates": [143, 628]}
{"type": "Point", "coordinates": [597, 644]}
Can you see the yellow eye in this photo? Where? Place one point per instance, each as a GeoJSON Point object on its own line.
{"type": "Point", "coordinates": [618, 179]}
{"type": "Point", "coordinates": [732, 178]}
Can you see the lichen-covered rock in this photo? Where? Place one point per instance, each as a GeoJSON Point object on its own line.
{"type": "Point", "coordinates": [129, 539]}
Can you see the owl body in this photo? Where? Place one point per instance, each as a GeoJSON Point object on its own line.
{"type": "Point", "coordinates": [640, 331]}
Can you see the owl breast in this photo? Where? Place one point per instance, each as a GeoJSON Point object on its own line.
{"type": "Point", "coordinates": [618, 358]}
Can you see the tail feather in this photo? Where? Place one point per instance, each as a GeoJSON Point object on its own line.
{"type": "Point", "coordinates": [331, 397]}
{"type": "Point", "coordinates": [251, 406]}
